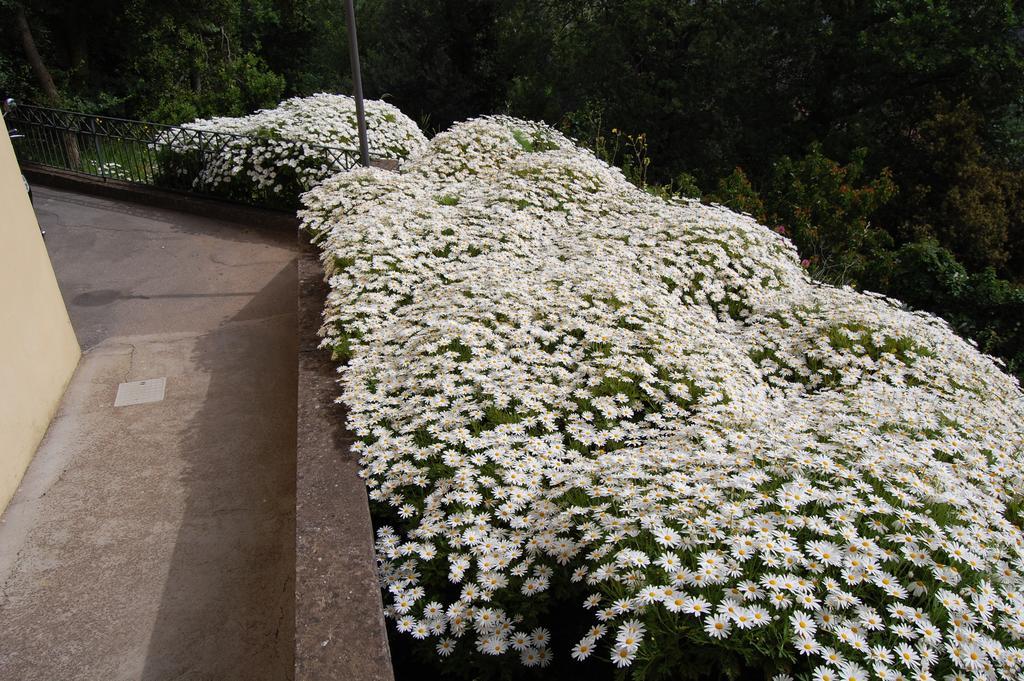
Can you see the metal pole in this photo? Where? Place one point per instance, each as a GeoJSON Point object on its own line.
{"type": "Point", "coordinates": [357, 81]}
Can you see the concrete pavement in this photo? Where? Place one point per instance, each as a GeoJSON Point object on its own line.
{"type": "Point", "coordinates": [155, 541]}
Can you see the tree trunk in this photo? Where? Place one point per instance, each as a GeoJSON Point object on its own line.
{"type": "Point", "coordinates": [46, 83]}
{"type": "Point", "coordinates": [34, 60]}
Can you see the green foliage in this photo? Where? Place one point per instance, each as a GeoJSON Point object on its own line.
{"type": "Point", "coordinates": [827, 210]}
{"type": "Point", "coordinates": [685, 184]}
{"type": "Point", "coordinates": [736, 192]}
{"type": "Point", "coordinates": [14, 74]}
{"type": "Point", "coordinates": [192, 69]}
{"type": "Point", "coordinates": [963, 195]}
{"type": "Point", "coordinates": [980, 306]}
{"type": "Point", "coordinates": [534, 142]}
{"type": "Point", "coordinates": [928, 274]}
{"type": "Point", "coordinates": [825, 207]}
{"type": "Point", "coordinates": [152, 60]}
{"type": "Point", "coordinates": [614, 146]}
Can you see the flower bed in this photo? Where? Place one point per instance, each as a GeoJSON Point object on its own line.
{"type": "Point", "coordinates": [272, 156]}
{"type": "Point", "coordinates": [598, 425]}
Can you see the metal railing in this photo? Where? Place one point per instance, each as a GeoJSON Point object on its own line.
{"type": "Point", "coordinates": [177, 157]}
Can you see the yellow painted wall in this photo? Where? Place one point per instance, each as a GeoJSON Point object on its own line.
{"type": "Point", "coordinates": [38, 349]}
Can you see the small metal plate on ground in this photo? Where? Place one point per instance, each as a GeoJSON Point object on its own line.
{"type": "Point", "coordinates": [140, 392]}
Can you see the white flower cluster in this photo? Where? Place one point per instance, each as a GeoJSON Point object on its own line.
{"type": "Point", "coordinates": [294, 146]}
{"type": "Point", "coordinates": [110, 169]}
{"type": "Point", "coordinates": [556, 376]}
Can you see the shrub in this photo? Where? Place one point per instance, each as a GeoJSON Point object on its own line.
{"type": "Point", "coordinates": [825, 207]}
{"type": "Point", "coordinates": [980, 306]}
{"type": "Point", "coordinates": [736, 192]}
{"type": "Point", "coordinates": [963, 195]}
{"type": "Point", "coordinates": [573, 397]}
{"type": "Point", "coordinates": [274, 155]}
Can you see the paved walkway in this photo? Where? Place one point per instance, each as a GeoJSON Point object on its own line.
{"type": "Point", "coordinates": [156, 541]}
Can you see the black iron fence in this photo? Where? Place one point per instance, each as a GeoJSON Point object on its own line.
{"type": "Point", "coordinates": [242, 168]}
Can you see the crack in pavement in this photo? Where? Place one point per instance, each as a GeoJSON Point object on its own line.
{"type": "Point", "coordinates": [131, 363]}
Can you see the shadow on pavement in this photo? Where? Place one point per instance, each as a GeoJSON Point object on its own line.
{"type": "Point", "coordinates": [227, 610]}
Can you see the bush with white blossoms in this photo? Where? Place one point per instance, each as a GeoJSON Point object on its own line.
{"type": "Point", "coordinates": [561, 381]}
{"type": "Point", "coordinates": [274, 155]}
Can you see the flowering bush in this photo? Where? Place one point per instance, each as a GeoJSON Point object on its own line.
{"type": "Point", "coordinates": [563, 385]}
{"type": "Point", "coordinates": [280, 153]}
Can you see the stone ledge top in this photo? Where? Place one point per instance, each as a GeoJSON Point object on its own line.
{"type": "Point", "coordinates": [339, 618]}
